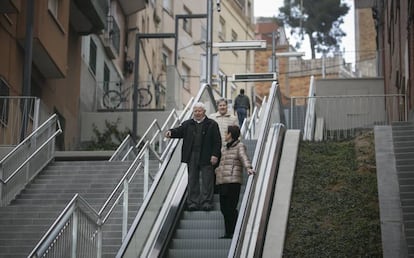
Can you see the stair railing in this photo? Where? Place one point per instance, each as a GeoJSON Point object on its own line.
{"type": "Point", "coordinates": [57, 240]}
{"type": "Point", "coordinates": [27, 159]}
{"type": "Point", "coordinates": [61, 239]}
{"type": "Point", "coordinates": [248, 130]}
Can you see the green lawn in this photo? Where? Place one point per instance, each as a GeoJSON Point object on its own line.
{"type": "Point", "coordinates": [334, 210]}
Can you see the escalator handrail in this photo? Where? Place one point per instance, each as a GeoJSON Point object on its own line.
{"type": "Point", "coordinates": [244, 211]}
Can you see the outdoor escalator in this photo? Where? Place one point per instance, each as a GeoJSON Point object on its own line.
{"type": "Point", "coordinates": [162, 228]}
{"type": "Point", "coordinates": [197, 233]}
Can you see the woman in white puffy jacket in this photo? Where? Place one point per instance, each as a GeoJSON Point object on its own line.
{"type": "Point", "coordinates": [229, 177]}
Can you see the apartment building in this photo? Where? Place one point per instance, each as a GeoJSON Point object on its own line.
{"type": "Point", "coordinates": [231, 21]}
{"type": "Point", "coordinates": [62, 51]}
{"type": "Point", "coordinates": [365, 41]}
{"type": "Point", "coordinates": [394, 24]}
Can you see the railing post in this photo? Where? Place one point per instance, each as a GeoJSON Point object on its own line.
{"type": "Point", "coordinates": [74, 233]}
{"type": "Point", "coordinates": [99, 244]}
{"type": "Point", "coordinates": [146, 171]}
{"type": "Point", "coordinates": [125, 210]}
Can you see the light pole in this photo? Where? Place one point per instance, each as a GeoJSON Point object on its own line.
{"type": "Point", "coordinates": [177, 18]}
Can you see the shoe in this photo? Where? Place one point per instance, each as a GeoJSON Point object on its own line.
{"type": "Point", "coordinates": [192, 208]}
{"type": "Point", "coordinates": [207, 207]}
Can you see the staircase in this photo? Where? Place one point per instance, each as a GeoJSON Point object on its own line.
{"type": "Point", "coordinates": [403, 138]}
{"type": "Point", "coordinates": [197, 232]}
{"type": "Point", "coordinates": [29, 216]}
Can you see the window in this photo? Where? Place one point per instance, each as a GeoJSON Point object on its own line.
{"type": "Point", "coordinates": [115, 36]}
{"type": "Point", "coordinates": [4, 103]}
{"type": "Point", "coordinates": [165, 59]}
{"type": "Point", "coordinates": [167, 5]}
{"type": "Point", "coordinates": [185, 76]}
{"type": "Point", "coordinates": [92, 56]}
{"type": "Point", "coordinates": [233, 35]}
{"type": "Point", "coordinates": [187, 22]}
{"type": "Point", "coordinates": [222, 29]}
{"type": "Point", "coordinates": [53, 6]}
{"type": "Point", "coordinates": [106, 78]}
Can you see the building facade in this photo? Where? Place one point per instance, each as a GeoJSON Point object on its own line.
{"type": "Point", "coordinates": [394, 24]}
{"type": "Point", "coordinates": [51, 49]}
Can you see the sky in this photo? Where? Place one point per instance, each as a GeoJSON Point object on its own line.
{"type": "Point", "coordinates": [270, 8]}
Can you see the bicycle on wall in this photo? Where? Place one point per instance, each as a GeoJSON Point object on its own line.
{"type": "Point", "coordinates": [112, 99]}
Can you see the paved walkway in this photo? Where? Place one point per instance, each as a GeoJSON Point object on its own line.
{"type": "Point", "coordinates": [392, 233]}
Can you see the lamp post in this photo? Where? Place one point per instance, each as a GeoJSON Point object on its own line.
{"type": "Point", "coordinates": [177, 18]}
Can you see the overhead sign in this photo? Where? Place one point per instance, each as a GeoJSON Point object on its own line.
{"type": "Point", "coordinates": [252, 77]}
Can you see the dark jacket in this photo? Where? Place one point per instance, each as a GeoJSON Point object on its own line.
{"type": "Point", "coordinates": [242, 101]}
{"type": "Point", "coordinates": [211, 140]}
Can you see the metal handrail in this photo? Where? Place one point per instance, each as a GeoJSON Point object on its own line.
{"type": "Point", "coordinates": [244, 211]}
{"type": "Point", "coordinates": [135, 166]}
{"type": "Point", "coordinates": [8, 192]}
{"type": "Point", "coordinates": [31, 156]}
{"type": "Point", "coordinates": [54, 116]}
{"type": "Point", "coordinates": [54, 229]}
{"type": "Point", "coordinates": [122, 146]}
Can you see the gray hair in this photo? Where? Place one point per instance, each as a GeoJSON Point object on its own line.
{"type": "Point", "coordinates": [222, 100]}
{"type": "Point", "coordinates": [200, 105]}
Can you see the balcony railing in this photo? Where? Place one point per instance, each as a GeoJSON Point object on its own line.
{"type": "Point", "coordinates": [115, 95]}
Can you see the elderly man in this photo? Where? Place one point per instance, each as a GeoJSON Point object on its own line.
{"type": "Point", "coordinates": [223, 118]}
{"type": "Point", "coordinates": [201, 151]}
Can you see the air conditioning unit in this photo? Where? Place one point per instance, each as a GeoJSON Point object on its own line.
{"type": "Point", "coordinates": [253, 77]}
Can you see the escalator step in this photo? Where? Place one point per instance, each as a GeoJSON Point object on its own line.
{"type": "Point", "coordinates": [201, 244]}
{"type": "Point", "coordinates": [200, 253]}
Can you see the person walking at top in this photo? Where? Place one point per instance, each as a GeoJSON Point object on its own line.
{"type": "Point", "coordinates": [201, 151]}
{"type": "Point", "coordinates": [241, 106]}
{"type": "Point", "coordinates": [223, 118]}
{"type": "Point", "coordinates": [229, 177]}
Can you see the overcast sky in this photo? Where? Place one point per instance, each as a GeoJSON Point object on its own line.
{"type": "Point", "coordinates": [270, 8]}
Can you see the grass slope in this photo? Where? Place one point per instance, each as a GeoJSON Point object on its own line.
{"type": "Point", "coordinates": [334, 209]}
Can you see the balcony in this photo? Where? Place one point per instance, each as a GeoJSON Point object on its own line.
{"type": "Point", "coordinates": [88, 16]}
{"type": "Point", "coordinates": [132, 6]}
{"type": "Point", "coordinates": [9, 6]}
{"type": "Point", "coordinates": [112, 38]}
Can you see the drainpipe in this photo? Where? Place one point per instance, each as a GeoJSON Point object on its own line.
{"type": "Point", "coordinates": [27, 69]}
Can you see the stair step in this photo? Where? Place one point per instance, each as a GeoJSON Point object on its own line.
{"type": "Point", "coordinates": [199, 253]}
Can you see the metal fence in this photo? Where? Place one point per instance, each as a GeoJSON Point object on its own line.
{"type": "Point", "coordinates": [23, 163]}
{"type": "Point", "coordinates": [342, 117]}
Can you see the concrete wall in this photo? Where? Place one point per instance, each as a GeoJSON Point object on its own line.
{"type": "Point", "coordinates": [355, 86]}
{"type": "Point", "coordinates": [99, 118]}
{"type": "Point", "coordinates": [359, 111]}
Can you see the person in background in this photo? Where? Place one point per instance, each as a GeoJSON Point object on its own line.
{"type": "Point", "coordinates": [229, 177]}
{"type": "Point", "coordinates": [241, 106]}
{"type": "Point", "coordinates": [223, 118]}
{"type": "Point", "coordinates": [201, 151]}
